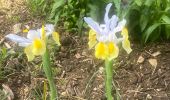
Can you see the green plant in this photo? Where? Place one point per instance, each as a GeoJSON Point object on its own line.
{"type": "Point", "coordinates": [36, 45]}
{"type": "Point", "coordinates": [40, 7]}
{"type": "Point", "coordinates": [105, 40]}
{"type": "Point", "coordinates": [70, 13]}
{"type": "Point", "coordinates": [3, 56]}
{"type": "Point", "coordinates": [149, 19]}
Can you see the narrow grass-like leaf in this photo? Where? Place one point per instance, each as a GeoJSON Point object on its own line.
{"type": "Point", "coordinates": [143, 22]}
{"type": "Point", "coordinates": [166, 19]}
{"type": "Point", "coordinates": [117, 5]}
{"type": "Point", "coordinates": [57, 4]}
{"type": "Point", "coordinates": [150, 30]}
{"type": "Point", "coordinates": [45, 90]}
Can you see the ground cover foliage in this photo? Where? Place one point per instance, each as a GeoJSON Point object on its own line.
{"type": "Point", "coordinates": [78, 75]}
{"type": "Point", "coordinates": [148, 19]}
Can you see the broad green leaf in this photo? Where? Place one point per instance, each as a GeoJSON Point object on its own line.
{"type": "Point", "coordinates": [167, 29]}
{"type": "Point", "coordinates": [143, 22]}
{"type": "Point", "coordinates": [149, 2]}
{"type": "Point", "coordinates": [150, 30]}
{"type": "Point", "coordinates": [167, 9]}
{"type": "Point", "coordinates": [166, 19]}
{"type": "Point", "coordinates": [138, 2]}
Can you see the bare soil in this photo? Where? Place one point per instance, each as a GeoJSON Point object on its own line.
{"type": "Point", "coordinates": [80, 76]}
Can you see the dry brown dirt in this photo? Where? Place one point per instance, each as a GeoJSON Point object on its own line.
{"type": "Point", "coordinates": [80, 76]}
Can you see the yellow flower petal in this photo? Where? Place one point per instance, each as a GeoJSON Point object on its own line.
{"type": "Point", "coordinates": [126, 45]}
{"type": "Point", "coordinates": [125, 33]}
{"type": "Point", "coordinates": [25, 31]}
{"type": "Point", "coordinates": [92, 39]}
{"type": "Point", "coordinates": [28, 52]}
{"type": "Point", "coordinates": [56, 37]}
{"type": "Point", "coordinates": [126, 42]}
{"type": "Point", "coordinates": [39, 47]}
{"type": "Point", "coordinates": [113, 50]}
{"type": "Point", "coordinates": [101, 51]}
{"type": "Point", "coordinates": [92, 44]}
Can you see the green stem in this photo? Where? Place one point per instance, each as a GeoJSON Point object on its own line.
{"type": "Point", "coordinates": [108, 78]}
{"type": "Point", "coordinates": [48, 71]}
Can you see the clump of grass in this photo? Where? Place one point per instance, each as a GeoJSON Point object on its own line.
{"type": "Point", "coordinates": [3, 57]}
{"type": "Point", "coordinates": [39, 8]}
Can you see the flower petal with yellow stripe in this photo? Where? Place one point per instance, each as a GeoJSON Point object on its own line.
{"type": "Point", "coordinates": [39, 47]}
{"type": "Point", "coordinates": [92, 39]}
{"type": "Point", "coordinates": [56, 37]}
{"type": "Point", "coordinates": [35, 43]}
{"type": "Point", "coordinates": [101, 51]}
{"type": "Point", "coordinates": [126, 42]}
{"type": "Point", "coordinates": [113, 51]}
{"type": "Point", "coordinates": [29, 53]}
{"type": "Point", "coordinates": [106, 36]}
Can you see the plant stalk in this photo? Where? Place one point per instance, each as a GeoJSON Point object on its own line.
{"type": "Point", "coordinates": [48, 71]}
{"type": "Point", "coordinates": [108, 78]}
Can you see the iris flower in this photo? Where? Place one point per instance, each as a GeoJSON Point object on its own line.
{"type": "Point", "coordinates": [35, 42]}
{"type": "Point", "coordinates": [105, 37]}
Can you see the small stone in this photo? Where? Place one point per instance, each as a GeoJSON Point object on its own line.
{"type": "Point", "coordinates": [148, 97]}
{"type": "Point", "coordinates": [101, 86]}
{"type": "Point", "coordinates": [153, 62]}
{"type": "Point", "coordinates": [140, 59]}
{"type": "Point", "coordinates": [17, 28]}
{"type": "Point", "coordinates": [101, 70]}
{"type": "Point", "coordinates": [156, 53]}
{"type": "Point", "coordinates": [95, 89]}
{"type": "Point", "coordinates": [64, 94]}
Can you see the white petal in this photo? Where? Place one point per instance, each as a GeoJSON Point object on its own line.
{"type": "Point", "coordinates": [93, 25]}
{"type": "Point", "coordinates": [113, 22]}
{"type": "Point", "coordinates": [106, 18]}
{"type": "Point", "coordinates": [24, 44]}
{"type": "Point", "coordinates": [49, 27]}
{"type": "Point", "coordinates": [32, 34]}
{"type": "Point", "coordinates": [18, 39]}
{"type": "Point", "coordinates": [120, 26]}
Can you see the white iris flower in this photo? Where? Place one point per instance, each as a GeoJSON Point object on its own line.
{"type": "Point", "coordinates": [35, 42]}
{"type": "Point", "coordinates": [105, 36]}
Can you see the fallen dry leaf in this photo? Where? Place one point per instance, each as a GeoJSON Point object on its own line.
{"type": "Point", "coordinates": [140, 59]}
{"type": "Point", "coordinates": [2, 40]}
{"type": "Point", "coordinates": [156, 53]}
{"type": "Point", "coordinates": [7, 45]}
{"type": "Point", "coordinates": [17, 28]}
{"type": "Point", "coordinates": [77, 55]}
{"type": "Point", "coordinates": [153, 62]}
{"type": "Point", "coordinates": [8, 92]}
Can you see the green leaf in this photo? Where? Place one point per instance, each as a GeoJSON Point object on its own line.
{"type": "Point", "coordinates": [143, 22]}
{"type": "Point", "coordinates": [150, 30]}
{"type": "Point", "coordinates": [138, 2]}
{"type": "Point", "coordinates": [167, 9]}
{"type": "Point", "coordinates": [149, 2]}
{"type": "Point", "coordinates": [167, 29]}
{"type": "Point", "coordinates": [117, 5]}
{"type": "Point", "coordinates": [166, 19]}
{"type": "Point", "coordinates": [57, 4]}
{"type": "Point", "coordinates": [57, 15]}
